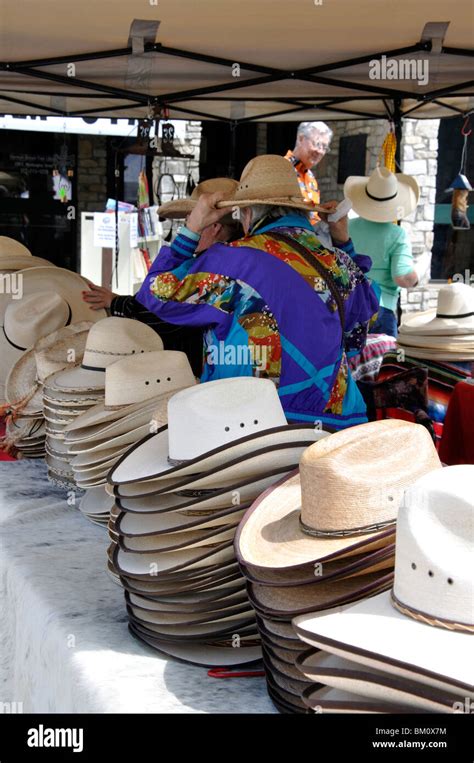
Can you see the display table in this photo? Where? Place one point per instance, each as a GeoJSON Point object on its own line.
{"type": "Point", "coordinates": [64, 642]}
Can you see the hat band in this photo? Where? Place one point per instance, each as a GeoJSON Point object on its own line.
{"type": "Point", "coordinates": [380, 198]}
{"type": "Point", "coordinates": [460, 315]}
{"type": "Point", "coordinates": [428, 619]}
{"type": "Point", "coordinates": [343, 533]}
{"type": "Point", "coordinates": [92, 368]}
{"type": "Point", "coordinates": [24, 349]}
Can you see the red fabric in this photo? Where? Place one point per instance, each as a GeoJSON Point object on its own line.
{"type": "Point", "coordinates": [401, 413]}
{"type": "Point", "coordinates": [4, 456]}
{"type": "Point", "coordinates": [457, 442]}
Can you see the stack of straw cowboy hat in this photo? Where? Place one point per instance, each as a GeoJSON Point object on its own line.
{"type": "Point", "coordinates": [70, 392]}
{"type": "Point", "coordinates": [446, 333]}
{"type": "Point", "coordinates": [411, 647]}
{"type": "Point", "coordinates": [137, 389]}
{"type": "Point", "coordinates": [324, 536]}
{"type": "Point", "coordinates": [179, 494]}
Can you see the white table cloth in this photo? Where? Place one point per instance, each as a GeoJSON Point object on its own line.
{"type": "Point", "coordinates": [64, 642]}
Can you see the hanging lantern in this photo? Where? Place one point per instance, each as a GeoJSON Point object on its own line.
{"type": "Point", "coordinates": [460, 187]}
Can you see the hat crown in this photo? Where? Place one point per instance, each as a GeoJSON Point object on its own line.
{"type": "Point", "coordinates": [133, 379]}
{"type": "Point", "coordinates": [61, 349]}
{"type": "Point", "coordinates": [382, 184]}
{"type": "Point", "coordinates": [455, 300]}
{"type": "Point", "coordinates": [111, 339]}
{"type": "Point", "coordinates": [210, 415]}
{"type": "Point", "coordinates": [355, 478]}
{"type": "Point", "coordinates": [214, 185]}
{"type": "Point", "coordinates": [268, 177]}
{"type": "Point", "coordinates": [10, 247]}
{"type": "Point", "coordinates": [434, 556]}
{"type": "Point", "coordinates": [34, 316]}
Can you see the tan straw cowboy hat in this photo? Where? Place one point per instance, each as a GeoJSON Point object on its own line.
{"type": "Point", "coordinates": [269, 179]}
{"type": "Point", "coordinates": [180, 208]}
{"type": "Point", "coordinates": [344, 499]}
{"type": "Point", "coordinates": [424, 628]}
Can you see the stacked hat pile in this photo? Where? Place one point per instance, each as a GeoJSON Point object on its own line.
{"type": "Point", "coordinates": [25, 429]}
{"type": "Point", "coordinates": [70, 393]}
{"type": "Point", "coordinates": [411, 647]}
{"type": "Point", "coordinates": [180, 494]}
{"type": "Point", "coordinates": [137, 390]}
{"type": "Point", "coordinates": [324, 537]}
{"type": "Point", "coordinates": [35, 302]}
{"type": "Point", "coordinates": [446, 333]}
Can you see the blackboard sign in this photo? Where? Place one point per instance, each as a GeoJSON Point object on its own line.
{"type": "Point", "coordinates": [352, 156]}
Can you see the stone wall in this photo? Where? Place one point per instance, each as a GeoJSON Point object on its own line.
{"type": "Point", "coordinates": [91, 173]}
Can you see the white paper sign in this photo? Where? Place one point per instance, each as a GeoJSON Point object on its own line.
{"type": "Point", "coordinates": [104, 230]}
{"type": "Point", "coordinates": [133, 229]}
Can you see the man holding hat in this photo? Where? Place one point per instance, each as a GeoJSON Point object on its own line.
{"type": "Point", "coordinates": [379, 200]}
{"type": "Point", "coordinates": [275, 303]}
{"type": "Point", "coordinates": [183, 339]}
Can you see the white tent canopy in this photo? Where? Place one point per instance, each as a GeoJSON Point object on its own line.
{"type": "Point", "coordinates": [251, 60]}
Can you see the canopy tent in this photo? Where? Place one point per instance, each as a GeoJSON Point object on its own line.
{"type": "Point", "coordinates": [251, 60]}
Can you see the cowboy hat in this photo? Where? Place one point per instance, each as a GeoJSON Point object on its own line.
{"type": "Point", "coordinates": [269, 179]}
{"type": "Point", "coordinates": [383, 196]}
{"type": "Point", "coordinates": [452, 353]}
{"type": "Point", "coordinates": [423, 629]}
{"type": "Point", "coordinates": [344, 500]}
{"type": "Point", "coordinates": [205, 428]}
{"type": "Point", "coordinates": [132, 381]}
{"type": "Point", "coordinates": [108, 341]}
{"type": "Point", "coordinates": [323, 699]}
{"type": "Point", "coordinates": [339, 673]}
{"type": "Point", "coordinates": [453, 315]}
{"type": "Point", "coordinates": [51, 298]}
{"type": "Point", "coordinates": [49, 354]}
{"type": "Point", "coordinates": [10, 247]}
{"type": "Point", "coordinates": [180, 208]}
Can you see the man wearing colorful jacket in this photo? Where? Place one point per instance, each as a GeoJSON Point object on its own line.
{"type": "Point", "coordinates": [275, 303]}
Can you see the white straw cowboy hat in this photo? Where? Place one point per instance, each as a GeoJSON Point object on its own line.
{"type": "Point", "coordinates": [180, 208]}
{"type": "Point", "coordinates": [325, 668]}
{"type": "Point", "coordinates": [208, 425]}
{"type": "Point", "coordinates": [109, 340]}
{"type": "Point", "coordinates": [50, 354]}
{"type": "Point", "coordinates": [269, 179]}
{"type": "Point", "coordinates": [453, 316]}
{"type": "Point", "coordinates": [135, 379]}
{"type": "Point", "coordinates": [343, 501]}
{"type": "Point", "coordinates": [383, 196]}
{"type": "Point", "coordinates": [50, 298]}
{"type": "Point", "coordinates": [14, 256]}
{"type": "Point", "coordinates": [424, 628]}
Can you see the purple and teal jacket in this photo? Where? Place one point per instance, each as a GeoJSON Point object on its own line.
{"type": "Point", "coordinates": [267, 312]}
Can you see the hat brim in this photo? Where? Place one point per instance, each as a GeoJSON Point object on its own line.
{"type": "Point", "coordinates": [284, 201]}
{"type": "Point", "coordinates": [205, 655]}
{"type": "Point", "coordinates": [339, 673]}
{"type": "Point", "coordinates": [422, 353]}
{"type": "Point", "coordinates": [427, 323]}
{"type": "Point", "coordinates": [245, 491]}
{"type": "Point", "coordinates": [329, 700]}
{"type": "Point", "coordinates": [284, 603]}
{"type": "Point", "coordinates": [96, 501]}
{"type": "Point", "coordinates": [247, 467]}
{"type": "Point", "coordinates": [270, 535]}
{"type": "Point", "coordinates": [382, 212]}
{"type": "Point", "coordinates": [375, 634]}
{"type": "Point", "coordinates": [148, 460]}
{"type": "Point", "coordinates": [76, 380]}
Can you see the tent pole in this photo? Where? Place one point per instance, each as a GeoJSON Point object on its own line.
{"type": "Point", "coordinates": [232, 149]}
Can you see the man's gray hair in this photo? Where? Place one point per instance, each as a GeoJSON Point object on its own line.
{"type": "Point", "coordinates": [307, 129]}
{"type": "Point", "coordinates": [272, 212]}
